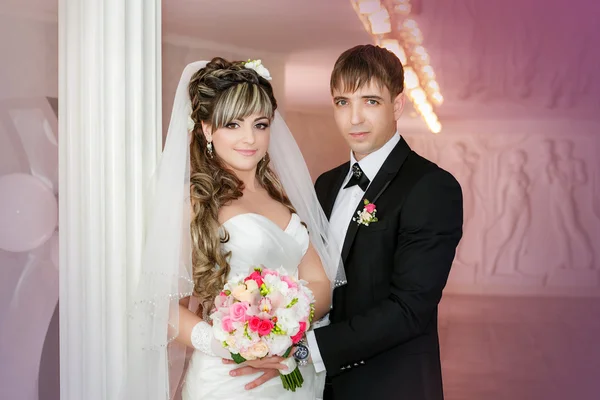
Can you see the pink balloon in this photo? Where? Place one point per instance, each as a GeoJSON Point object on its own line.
{"type": "Point", "coordinates": [28, 212]}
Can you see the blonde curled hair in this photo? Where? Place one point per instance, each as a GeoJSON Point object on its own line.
{"type": "Point", "coordinates": [221, 92]}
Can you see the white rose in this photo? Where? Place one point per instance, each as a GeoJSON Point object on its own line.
{"type": "Point", "coordinates": [365, 216]}
{"type": "Point", "coordinates": [287, 320]}
{"type": "Point", "coordinates": [241, 341]}
{"type": "Point", "coordinates": [278, 344]}
{"type": "Point", "coordinates": [309, 294]}
{"type": "Point", "coordinates": [247, 354]}
{"type": "Point", "coordinates": [238, 292]}
{"type": "Point", "coordinates": [301, 308]}
{"type": "Point", "coordinates": [231, 342]}
{"type": "Point", "coordinates": [251, 285]}
{"type": "Point", "coordinates": [248, 297]}
{"type": "Point", "coordinates": [259, 350]}
{"type": "Point", "coordinates": [270, 280]}
{"type": "Point", "coordinates": [274, 284]}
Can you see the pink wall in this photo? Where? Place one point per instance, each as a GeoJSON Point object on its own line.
{"type": "Point", "coordinates": [319, 140]}
{"type": "Point", "coordinates": [531, 194]}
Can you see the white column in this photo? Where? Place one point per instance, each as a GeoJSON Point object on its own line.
{"type": "Point", "coordinates": [110, 137]}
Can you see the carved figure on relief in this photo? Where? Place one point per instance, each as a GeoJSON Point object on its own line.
{"type": "Point", "coordinates": [513, 216]}
{"type": "Point", "coordinates": [565, 174]}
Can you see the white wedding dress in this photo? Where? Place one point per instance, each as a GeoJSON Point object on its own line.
{"type": "Point", "coordinates": [254, 240]}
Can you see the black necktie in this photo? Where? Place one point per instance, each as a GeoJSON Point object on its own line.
{"type": "Point", "coordinates": [358, 178]}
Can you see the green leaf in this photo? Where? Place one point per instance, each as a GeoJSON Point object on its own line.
{"type": "Point", "coordinates": [237, 358]}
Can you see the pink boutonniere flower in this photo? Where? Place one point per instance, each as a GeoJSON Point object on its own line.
{"type": "Point", "coordinates": [367, 215]}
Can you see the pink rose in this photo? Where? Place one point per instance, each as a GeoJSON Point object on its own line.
{"type": "Point", "coordinates": [255, 276]}
{"type": "Point", "coordinates": [227, 324]}
{"type": "Point", "coordinates": [296, 338]}
{"type": "Point", "coordinates": [254, 323]}
{"type": "Point", "coordinates": [290, 282]}
{"type": "Point", "coordinates": [370, 208]}
{"type": "Point", "coordinates": [265, 327]}
{"type": "Point", "coordinates": [237, 311]}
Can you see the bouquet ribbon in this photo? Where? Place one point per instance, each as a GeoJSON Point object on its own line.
{"type": "Point", "coordinates": [290, 363]}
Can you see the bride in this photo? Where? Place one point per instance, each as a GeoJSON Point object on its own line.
{"type": "Point", "coordinates": [230, 159]}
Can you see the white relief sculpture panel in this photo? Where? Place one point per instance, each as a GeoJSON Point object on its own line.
{"type": "Point", "coordinates": [531, 210]}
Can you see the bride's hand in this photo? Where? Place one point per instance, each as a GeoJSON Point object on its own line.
{"type": "Point", "coordinates": [267, 362]}
{"type": "Point", "coordinates": [273, 362]}
{"type": "Point", "coordinates": [268, 366]}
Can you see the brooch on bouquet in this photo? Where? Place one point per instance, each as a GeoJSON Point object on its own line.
{"type": "Point", "coordinates": [367, 215]}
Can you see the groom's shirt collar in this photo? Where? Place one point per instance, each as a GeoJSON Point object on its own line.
{"type": "Point", "coordinates": [372, 163]}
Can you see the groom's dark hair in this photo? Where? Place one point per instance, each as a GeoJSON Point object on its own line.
{"type": "Point", "coordinates": [361, 64]}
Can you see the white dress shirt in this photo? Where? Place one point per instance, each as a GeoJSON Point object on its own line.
{"type": "Point", "coordinates": [345, 205]}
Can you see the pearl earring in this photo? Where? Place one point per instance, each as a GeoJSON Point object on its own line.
{"type": "Point", "coordinates": [209, 147]}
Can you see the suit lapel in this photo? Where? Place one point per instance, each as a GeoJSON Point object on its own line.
{"type": "Point", "coordinates": [380, 183]}
{"type": "Point", "coordinates": [335, 189]}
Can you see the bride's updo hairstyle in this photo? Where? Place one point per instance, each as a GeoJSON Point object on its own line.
{"type": "Point", "coordinates": [220, 93]}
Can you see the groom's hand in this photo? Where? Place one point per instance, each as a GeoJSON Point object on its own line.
{"type": "Point", "coordinates": [268, 373]}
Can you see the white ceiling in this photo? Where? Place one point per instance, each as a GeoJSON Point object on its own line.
{"type": "Point", "coordinates": [309, 34]}
{"type": "Point", "coordinates": [275, 26]}
{"type": "Point", "coordinates": [493, 58]}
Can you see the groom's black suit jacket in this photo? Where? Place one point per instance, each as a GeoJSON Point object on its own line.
{"type": "Point", "coordinates": [383, 339]}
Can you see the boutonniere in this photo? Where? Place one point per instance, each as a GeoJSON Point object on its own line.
{"type": "Point", "coordinates": [367, 215]}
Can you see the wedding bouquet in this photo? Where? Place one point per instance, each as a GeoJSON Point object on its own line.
{"type": "Point", "coordinates": [264, 314]}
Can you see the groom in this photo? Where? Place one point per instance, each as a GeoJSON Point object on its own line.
{"type": "Point", "coordinates": [383, 340]}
